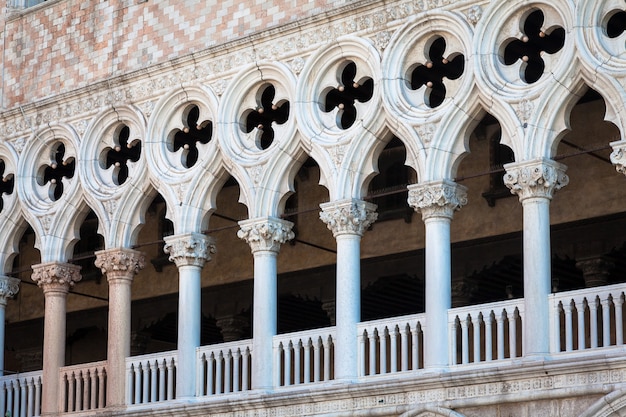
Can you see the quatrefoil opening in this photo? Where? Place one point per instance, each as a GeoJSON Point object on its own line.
{"type": "Point", "coordinates": [534, 42]}
{"type": "Point", "coordinates": [193, 133]}
{"type": "Point", "coordinates": [263, 117]}
{"type": "Point", "coordinates": [53, 173]}
{"type": "Point", "coordinates": [346, 94]}
{"type": "Point", "coordinates": [433, 73]}
{"type": "Point", "coordinates": [615, 24]}
{"type": "Point", "coordinates": [7, 183]}
{"type": "Point", "coordinates": [122, 153]}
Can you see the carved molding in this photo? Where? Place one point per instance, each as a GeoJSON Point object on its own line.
{"type": "Point", "coordinates": [437, 198]}
{"type": "Point", "coordinates": [9, 287]}
{"type": "Point", "coordinates": [56, 276]}
{"type": "Point", "coordinates": [348, 216]}
{"type": "Point", "coordinates": [536, 178]}
{"type": "Point", "coordinates": [265, 234]}
{"type": "Point", "coordinates": [190, 249]}
{"type": "Point", "coordinates": [120, 263]}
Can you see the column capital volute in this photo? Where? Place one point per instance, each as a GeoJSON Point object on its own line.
{"type": "Point", "coordinates": [348, 217]}
{"type": "Point", "coordinates": [190, 249]}
{"type": "Point", "coordinates": [618, 156]}
{"type": "Point", "coordinates": [9, 286]}
{"type": "Point", "coordinates": [120, 263]}
{"type": "Point", "coordinates": [537, 178]}
{"type": "Point", "coordinates": [265, 233]}
{"type": "Point", "coordinates": [56, 277]}
{"type": "Point", "coordinates": [437, 199]}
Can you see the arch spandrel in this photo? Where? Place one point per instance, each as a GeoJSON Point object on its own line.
{"type": "Point", "coordinates": [611, 405]}
{"type": "Point", "coordinates": [11, 216]}
{"type": "Point", "coordinates": [431, 411]}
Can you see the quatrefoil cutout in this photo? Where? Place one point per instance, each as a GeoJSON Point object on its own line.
{"type": "Point", "coordinates": [265, 115]}
{"type": "Point", "coordinates": [60, 167]}
{"type": "Point", "coordinates": [7, 183]}
{"type": "Point", "coordinates": [435, 71]}
{"type": "Point", "coordinates": [193, 134]}
{"type": "Point", "coordinates": [121, 154]}
{"type": "Point", "coordinates": [534, 42]}
{"type": "Point", "coordinates": [616, 24]}
{"type": "Point", "coordinates": [346, 94]}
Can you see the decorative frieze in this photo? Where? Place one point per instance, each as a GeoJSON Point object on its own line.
{"type": "Point", "coordinates": [190, 249]}
{"type": "Point", "coordinates": [120, 263]}
{"type": "Point", "coordinates": [9, 287]}
{"type": "Point", "coordinates": [56, 276]}
{"type": "Point", "coordinates": [437, 198]}
{"type": "Point", "coordinates": [352, 217]}
{"type": "Point", "coordinates": [265, 234]}
{"type": "Point", "coordinates": [536, 178]}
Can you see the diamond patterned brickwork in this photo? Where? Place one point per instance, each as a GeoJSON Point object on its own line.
{"type": "Point", "coordinates": [74, 43]}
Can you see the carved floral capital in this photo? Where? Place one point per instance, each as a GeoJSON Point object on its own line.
{"type": "Point", "coordinates": [120, 263]}
{"type": "Point", "coordinates": [190, 249]}
{"type": "Point", "coordinates": [56, 276]}
{"type": "Point", "coordinates": [348, 216]}
{"type": "Point", "coordinates": [437, 198]}
{"type": "Point", "coordinates": [536, 178]}
{"type": "Point", "coordinates": [618, 156]}
{"type": "Point", "coordinates": [8, 288]}
{"type": "Point", "coordinates": [265, 234]}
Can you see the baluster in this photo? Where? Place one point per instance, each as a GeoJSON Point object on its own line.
{"type": "Point", "coordinates": [93, 382]}
{"type": "Point", "coordinates": [171, 368]}
{"type": "Point", "coordinates": [393, 347]}
{"type": "Point", "coordinates": [227, 371]}
{"type": "Point", "coordinates": [101, 388]}
{"type": "Point", "coordinates": [129, 384]}
{"type": "Point", "coordinates": [38, 396]}
{"type": "Point", "coordinates": [137, 371]}
{"type": "Point", "coordinates": [382, 340]}
{"type": "Point", "coordinates": [489, 337]}
{"type": "Point", "coordinates": [31, 400]}
{"type": "Point", "coordinates": [593, 322]}
{"type": "Point", "coordinates": [210, 390]}
{"type": "Point", "coordinates": [557, 327]}
{"type": "Point", "coordinates": [236, 371]}
{"type": "Point", "coordinates": [162, 367]}
{"type": "Point", "coordinates": [288, 353]}
{"type": "Point", "coordinates": [317, 364]}
{"type": "Point", "coordinates": [84, 395]}
{"type": "Point", "coordinates": [513, 334]}
{"type": "Point", "coordinates": [415, 349]}
{"type": "Point", "coordinates": [3, 403]}
{"type": "Point", "coordinates": [454, 334]}
{"type": "Point", "coordinates": [200, 377]}
{"type": "Point", "coordinates": [569, 342]}
{"type": "Point", "coordinates": [71, 393]}
{"type": "Point", "coordinates": [9, 391]}
{"type": "Point", "coordinates": [78, 389]}
{"type": "Point", "coordinates": [404, 347]}
{"type": "Point", "coordinates": [465, 340]}
{"type": "Point", "coordinates": [476, 327]}
{"type": "Point", "coordinates": [307, 361]}
{"type": "Point", "coordinates": [154, 368]}
{"type": "Point", "coordinates": [363, 361]}
{"type": "Point", "coordinates": [147, 368]}
{"type": "Point", "coordinates": [63, 391]}
{"type": "Point", "coordinates": [372, 342]}
{"type": "Point", "coordinates": [606, 322]}
{"type": "Point", "coordinates": [582, 330]}
{"type": "Point", "coordinates": [618, 302]}
{"type": "Point", "coordinates": [327, 346]}
{"type": "Point", "coordinates": [297, 360]}
{"type": "Point", "coordinates": [246, 370]}
{"type": "Point", "coordinates": [16, 398]}
{"type": "Point", "coordinates": [500, 334]}
{"type": "Point", "coordinates": [22, 399]}
{"type": "Point", "coordinates": [280, 365]}
{"type": "Point", "coordinates": [219, 373]}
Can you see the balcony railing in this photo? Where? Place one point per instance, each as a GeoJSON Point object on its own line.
{"type": "Point", "coordinates": [20, 394]}
{"type": "Point", "coordinates": [83, 387]}
{"type": "Point", "coordinates": [224, 368]}
{"type": "Point", "coordinates": [150, 378]}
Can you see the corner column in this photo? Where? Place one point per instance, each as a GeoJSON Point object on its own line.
{"type": "Point", "coordinates": [348, 220]}
{"type": "Point", "coordinates": [120, 266]}
{"type": "Point", "coordinates": [8, 288]}
{"type": "Point", "coordinates": [534, 182]}
{"type": "Point", "coordinates": [437, 201]}
{"type": "Point", "coordinates": [264, 235]}
{"type": "Point", "coordinates": [55, 279]}
{"type": "Point", "coordinates": [189, 252]}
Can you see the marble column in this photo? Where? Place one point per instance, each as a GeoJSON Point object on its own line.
{"type": "Point", "coordinates": [348, 220]}
{"type": "Point", "coordinates": [55, 279]}
{"type": "Point", "coordinates": [8, 288]}
{"type": "Point", "coordinates": [437, 201]}
{"type": "Point", "coordinates": [264, 235]}
{"type": "Point", "coordinates": [189, 252]}
{"type": "Point", "coordinates": [119, 266]}
{"type": "Point", "coordinates": [534, 182]}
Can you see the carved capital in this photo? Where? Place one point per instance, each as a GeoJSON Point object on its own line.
{"type": "Point", "coordinates": [536, 178]}
{"type": "Point", "coordinates": [120, 263]}
{"type": "Point", "coordinates": [190, 249]}
{"type": "Point", "coordinates": [437, 198]}
{"type": "Point", "coordinates": [8, 288]}
{"type": "Point", "coordinates": [265, 234]}
{"type": "Point", "coordinates": [56, 276]}
{"type": "Point", "coordinates": [351, 217]}
{"type": "Point", "coordinates": [618, 156]}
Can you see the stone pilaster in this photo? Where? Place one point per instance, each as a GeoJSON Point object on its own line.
{"type": "Point", "coordinates": [265, 234]}
{"type": "Point", "coordinates": [190, 249]}
{"type": "Point", "coordinates": [55, 279]}
{"type": "Point", "coordinates": [8, 288]}
{"type": "Point", "coordinates": [352, 217]}
{"type": "Point", "coordinates": [535, 178]}
{"type": "Point", "coordinates": [437, 198]}
{"type": "Point", "coordinates": [618, 156]}
{"type": "Point", "coordinates": [120, 266]}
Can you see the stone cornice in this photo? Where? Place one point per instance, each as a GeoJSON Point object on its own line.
{"type": "Point", "coordinates": [265, 234]}
{"type": "Point", "coordinates": [9, 287]}
{"type": "Point", "coordinates": [538, 178]}
{"type": "Point", "coordinates": [437, 198]}
{"type": "Point", "coordinates": [120, 263]}
{"type": "Point", "coordinates": [351, 217]}
{"type": "Point", "coordinates": [56, 276]}
{"type": "Point", "coordinates": [190, 249]}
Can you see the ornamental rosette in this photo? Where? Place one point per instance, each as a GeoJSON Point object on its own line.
{"type": "Point", "coordinates": [56, 275]}
{"type": "Point", "coordinates": [266, 234]}
{"type": "Point", "coordinates": [190, 249]}
{"type": "Point", "coordinates": [437, 198]}
{"type": "Point", "coordinates": [9, 287]}
{"type": "Point", "coordinates": [119, 263]}
{"type": "Point", "coordinates": [352, 217]}
{"type": "Point", "coordinates": [537, 178]}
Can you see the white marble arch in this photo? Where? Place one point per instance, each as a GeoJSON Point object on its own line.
{"type": "Point", "coordinates": [611, 405]}
{"type": "Point", "coordinates": [431, 411]}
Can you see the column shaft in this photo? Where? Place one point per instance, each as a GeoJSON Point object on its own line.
{"type": "Point", "coordinates": [265, 313]}
{"type": "Point", "coordinates": [189, 326]}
